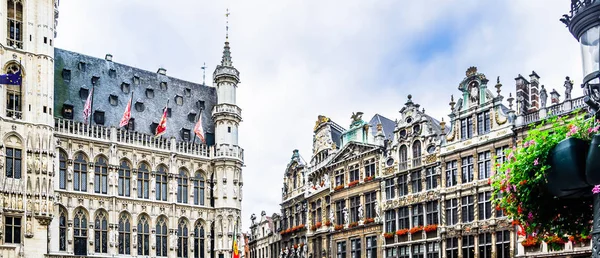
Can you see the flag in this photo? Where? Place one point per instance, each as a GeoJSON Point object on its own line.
{"type": "Point", "coordinates": [162, 125]}
{"type": "Point", "coordinates": [11, 79]}
{"type": "Point", "coordinates": [198, 129]}
{"type": "Point", "coordinates": [127, 114]}
{"type": "Point", "coordinates": [236, 252]}
{"type": "Point", "coordinates": [87, 109]}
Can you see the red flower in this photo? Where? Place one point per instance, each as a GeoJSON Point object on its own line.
{"type": "Point", "coordinates": [523, 182]}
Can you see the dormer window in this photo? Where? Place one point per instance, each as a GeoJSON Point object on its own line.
{"type": "Point", "coordinates": [66, 74]}
{"type": "Point", "coordinates": [403, 133]}
{"type": "Point", "coordinates": [139, 106]}
{"type": "Point", "coordinates": [200, 104]}
{"type": "Point", "coordinates": [67, 111]}
{"type": "Point", "coordinates": [163, 85]}
{"type": "Point", "coordinates": [83, 93]}
{"type": "Point", "coordinates": [150, 93]}
{"type": "Point", "coordinates": [81, 66]}
{"type": "Point", "coordinates": [112, 73]}
{"type": "Point", "coordinates": [125, 87]}
{"type": "Point", "coordinates": [168, 112]}
{"type": "Point", "coordinates": [192, 117]}
{"type": "Point", "coordinates": [416, 129]}
{"type": "Point", "coordinates": [99, 117]}
{"type": "Point", "coordinates": [409, 120]}
{"type": "Point", "coordinates": [185, 134]}
{"type": "Point", "coordinates": [113, 100]}
{"type": "Point", "coordinates": [131, 125]}
{"type": "Point", "coordinates": [136, 80]}
{"type": "Point", "coordinates": [179, 100]}
{"type": "Point", "coordinates": [188, 92]}
{"type": "Point", "coordinates": [95, 79]}
{"type": "Point", "coordinates": [153, 127]}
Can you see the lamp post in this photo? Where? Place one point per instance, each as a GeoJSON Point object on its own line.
{"type": "Point", "coordinates": [583, 22]}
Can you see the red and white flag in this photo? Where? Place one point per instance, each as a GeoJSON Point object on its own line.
{"type": "Point", "coordinates": [127, 114]}
{"type": "Point", "coordinates": [198, 129]}
{"type": "Point", "coordinates": [162, 125]}
{"type": "Point", "coordinates": [87, 108]}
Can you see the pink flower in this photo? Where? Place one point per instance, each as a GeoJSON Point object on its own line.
{"type": "Point", "coordinates": [511, 155]}
{"type": "Point", "coordinates": [530, 216]}
{"type": "Point", "coordinates": [596, 189]}
{"type": "Point", "coordinates": [535, 162]}
{"type": "Point", "coordinates": [594, 130]}
{"type": "Point", "coordinates": [514, 188]}
{"type": "Point", "coordinates": [572, 130]}
{"type": "Point", "coordinates": [526, 144]}
{"type": "Point", "coordinates": [532, 142]}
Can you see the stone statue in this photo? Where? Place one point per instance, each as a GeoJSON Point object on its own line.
{"type": "Point", "coordinates": [153, 240]}
{"type": "Point", "coordinates": [521, 105]}
{"type": "Point", "coordinates": [29, 228]}
{"type": "Point", "coordinates": [134, 238]}
{"type": "Point", "coordinates": [345, 212]}
{"type": "Point", "coordinates": [224, 190]}
{"type": "Point", "coordinates": [360, 212]}
{"type": "Point", "coordinates": [240, 191]}
{"type": "Point", "coordinates": [377, 212]}
{"type": "Point", "coordinates": [543, 96]}
{"type": "Point", "coordinates": [356, 116]}
{"type": "Point", "coordinates": [191, 244]}
{"type": "Point", "coordinates": [234, 192]}
{"type": "Point", "coordinates": [568, 87]}
{"type": "Point", "coordinates": [474, 93]}
{"type": "Point", "coordinates": [70, 173]}
{"type": "Point", "coordinates": [331, 217]}
{"type": "Point", "coordinates": [112, 237]}
{"type": "Point", "coordinates": [326, 180]}
{"type": "Point", "coordinates": [173, 240]}
{"type": "Point", "coordinates": [113, 150]}
{"type": "Point", "coordinates": [152, 183]}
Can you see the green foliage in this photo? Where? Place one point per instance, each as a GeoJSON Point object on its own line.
{"type": "Point", "coordinates": [519, 185]}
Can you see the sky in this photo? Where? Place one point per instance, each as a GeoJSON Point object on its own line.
{"type": "Point", "coordinates": [300, 59]}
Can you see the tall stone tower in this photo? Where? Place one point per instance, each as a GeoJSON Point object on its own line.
{"type": "Point", "coordinates": [227, 176]}
{"type": "Point", "coordinates": [27, 150]}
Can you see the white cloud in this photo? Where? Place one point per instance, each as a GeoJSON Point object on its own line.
{"type": "Point", "coordinates": [299, 59]}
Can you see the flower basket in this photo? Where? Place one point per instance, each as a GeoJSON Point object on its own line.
{"type": "Point", "coordinates": [353, 183]}
{"type": "Point", "coordinates": [402, 232]}
{"type": "Point", "coordinates": [369, 178]}
{"type": "Point", "coordinates": [318, 224]}
{"type": "Point", "coordinates": [368, 221]}
{"type": "Point", "coordinates": [416, 229]}
{"type": "Point", "coordinates": [353, 224]}
{"type": "Point", "coordinates": [339, 187]}
{"type": "Point", "coordinates": [388, 235]}
{"type": "Point", "coordinates": [592, 165]}
{"type": "Point", "coordinates": [431, 228]}
{"type": "Point", "coordinates": [555, 243]}
{"type": "Point", "coordinates": [327, 223]}
{"type": "Point", "coordinates": [313, 227]}
{"type": "Point", "coordinates": [338, 227]}
{"type": "Point", "coordinates": [531, 242]}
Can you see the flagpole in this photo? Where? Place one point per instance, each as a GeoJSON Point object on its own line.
{"type": "Point", "coordinates": [92, 103]}
{"type": "Point", "coordinates": [20, 90]}
{"type": "Point", "coordinates": [196, 121]}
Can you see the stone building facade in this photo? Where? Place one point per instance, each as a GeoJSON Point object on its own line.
{"type": "Point", "coordinates": [87, 187]}
{"type": "Point", "coordinates": [262, 234]}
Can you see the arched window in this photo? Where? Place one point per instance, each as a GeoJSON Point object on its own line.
{"type": "Point", "coordinates": [124, 234]}
{"type": "Point", "coordinates": [403, 153]}
{"type": "Point", "coordinates": [15, 24]}
{"type": "Point", "coordinates": [14, 92]}
{"type": "Point", "coordinates": [416, 149]}
{"type": "Point", "coordinates": [182, 187]}
{"type": "Point", "coordinates": [182, 238]}
{"type": "Point", "coordinates": [199, 189]}
{"type": "Point", "coordinates": [62, 170]}
{"type": "Point", "coordinates": [80, 233]}
{"type": "Point", "coordinates": [124, 179]}
{"type": "Point", "coordinates": [101, 233]}
{"type": "Point", "coordinates": [62, 230]}
{"type": "Point", "coordinates": [143, 231]}
{"type": "Point", "coordinates": [161, 183]}
{"type": "Point", "coordinates": [161, 237]}
{"type": "Point", "coordinates": [80, 173]}
{"type": "Point", "coordinates": [199, 240]}
{"type": "Point", "coordinates": [101, 175]}
{"type": "Point", "coordinates": [143, 181]}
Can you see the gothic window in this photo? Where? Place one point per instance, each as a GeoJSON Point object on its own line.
{"type": "Point", "coordinates": [468, 246]}
{"type": "Point", "coordinates": [417, 215]}
{"type": "Point", "coordinates": [113, 100]}
{"type": "Point", "coordinates": [179, 100]}
{"type": "Point", "coordinates": [139, 106]}
{"type": "Point", "coordinates": [503, 244]}
{"type": "Point", "coordinates": [390, 221]}
{"type": "Point", "coordinates": [163, 85]}
{"type": "Point", "coordinates": [416, 153]}
{"type": "Point", "coordinates": [161, 237]}
{"type": "Point", "coordinates": [451, 173]}
{"type": "Point", "coordinates": [452, 247]}
{"type": "Point", "coordinates": [451, 212]}
{"type": "Point", "coordinates": [13, 163]}
{"type": "Point", "coordinates": [467, 169]}
{"type": "Point", "coordinates": [339, 208]}
{"type": "Point", "coordinates": [431, 212]}
{"type": "Point", "coordinates": [430, 178]}
{"type": "Point", "coordinates": [468, 208]}
{"type": "Point", "coordinates": [390, 189]}
{"type": "Point", "coordinates": [199, 241]}
{"type": "Point", "coordinates": [143, 181]}
{"type": "Point", "coordinates": [182, 239]}
{"type": "Point", "coordinates": [485, 245]}
{"type": "Point", "coordinates": [12, 227]}
{"type": "Point", "coordinates": [101, 175]}
{"type": "Point", "coordinates": [150, 93]}
{"type": "Point", "coordinates": [124, 187]}
{"type": "Point", "coordinates": [62, 230]}
{"type": "Point", "coordinates": [403, 157]}
{"type": "Point", "coordinates": [354, 204]}
{"type": "Point", "coordinates": [143, 232]}
{"type": "Point", "coordinates": [295, 179]}
{"type": "Point", "coordinates": [15, 24]}
{"type": "Point", "coordinates": [101, 233]}
{"type": "Point", "coordinates": [402, 185]}
{"type": "Point", "coordinates": [415, 179]}
{"type": "Point", "coordinates": [418, 251]}
{"type": "Point", "coordinates": [161, 183]}
{"type": "Point", "coordinates": [62, 170]}
{"type": "Point", "coordinates": [80, 233]}
{"type": "Point", "coordinates": [80, 173]}
{"type": "Point", "coordinates": [13, 95]}
{"type": "Point", "coordinates": [485, 205]}
{"type": "Point", "coordinates": [484, 164]}
{"type": "Point", "coordinates": [125, 87]}
{"type": "Point", "coordinates": [182, 187]}
{"type": "Point", "coordinates": [370, 199]}
{"type": "Point", "coordinates": [124, 234]}
{"type": "Point", "coordinates": [199, 189]}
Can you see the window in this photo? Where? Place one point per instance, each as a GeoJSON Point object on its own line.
{"type": "Point", "coordinates": [62, 230]}
{"type": "Point", "coordinates": [163, 85]}
{"type": "Point", "coordinates": [13, 95]}
{"type": "Point", "coordinates": [143, 231]}
{"type": "Point", "coordinates": [179, 100]}
{"type": "Point", "coordinates": [431, 149]}
{"type": "Point", "coordinates": [339, 208]}
{"type": "Point", "coordinates": [124, 187]}
{"type": "Point", "coordinates": [483, 123]}
{"type": "Point", "coordinates": [451, 212]}
{"type": "Point", "coordinates": [403, 218]}
{"type": "Point", "coordinates": [95, 79]}
{"type": "Point", "coordinates": [430, 178]}
{"type": "Point", "coordinates": [500, 154]}
{"type": "Point", "coordinates": [499, 212]}
{"type": "Point", "coordinates": [485, 245]}
{"type": "Point", "coordinates": [451, 173]}
{"type": "Point", "coordinates": [354, 173]}
{"type": "Point", "coordinates": [468, 246]}
{"type": "Point", "coordinates": [15, 24]}
{"type": "Point", "coordinates": [143, 181]}
{"type": "Point", "coordinates": [45, 40]}
{"type": "Point", "coordinates": [136, 80]}
{"type": "Point", "coordinates": [80, 173]}
{"type": "Point", "coordinates": [403, 252]}
{"type": "Point", "coordinates": [485, 205]}
{"type": "Point", "coordinates": [503, 244]}
{"type": "Point", "coordinates": [199, 241]}
{"type": "Point", "coordinates": [468, 208]}
{"type": "Point", "coordinates": [161, 183]}
{"type": "Point", "coordinates": [355, 248]}
{"type": "Point", "coordinates": [124, 234]}
{"type": "Point", "coordinates": [390, 189]}
{"type": "Point", "coordinates": [484, 164]}
{"type": "Point", "coordinates": [80, 224]}
{"type": "Point", "coordinates": [113, 100]}
{"type": "Point", "coordinates": [402, 185]}
{"type": "Point", "coordinates": [370, 168]}
{"type": "Point", "coordinates": [339, 177]}
{"type": "Point", "coordinates": [81, 66]}
{"type": "Point", "coordinates": [99, 117]}
{"type": "Point", "coordinates": [13, 163]}
{"type": "Point", "coordinates": [66, 75]}
{"type": "Point", "coordinates": [417, 215]}
{"type": "Point", "coordinates": [390, 221]}
{"type": "Point", "coordinates": [188, 92]}
{"type": "Point", "coordinates": [192, 117]}
{"type": "Point", "coordinates": [452, 248]}
{"type": "Point", "coordinates": [199, 189]}
{"type": "Point", "coordinates": [182, 239]}
{"type": "Point", "coordinates": [67, 111]}
{"type": "Point", "coordinates": [125, 87]}
{"type": "Point", "coordinates": [139, 106]}
{"type": "Point", "coordinates": [112, 73]}
{"type": "Point", "coordinates": [13, 230]}
{"type": "Point", "coordinates": [467, 169]}
{"type": "Point", "coordinates": [403, 158]}
{"type": "Point", "coordinates": [354, 204]}
{"type": "Point", "coordinates": [370, 199]}
{"type": "Point", "coordinates": [466, 128]}
{"type": "Point", "coordinates": [182, 187]}
{"type": "Point", "coordinates": [418, 251]}
{"type": "Point", "coordinates": [161, 237]}
{"type": "Point", "coordinates": [83, 93]}
{"type": "Point", "coordinates": [391, 252]}
{"type": "Point", "coordinates": [168, 112]}
{"type": "Point", "coordinates": [319, 211]}
{"type": "Point", "coordinates": [416, 153]}
{"type": "Point", "coordinates": [341, 249]}
{"type": "Point", "coordinates": [431, 212]}
{"type": "Point", "coordinates": [433, 250]}
{"type": "Point", "coordinates": [101, 233]}
{"type": "Point", "coordinates": [313, 212]}
{"type": "Point", "coordinates": [415, 179]}
{"type": "Point", "coordinates": [100, 176]}
{"type": "Point", "coordinates": [150, 93]}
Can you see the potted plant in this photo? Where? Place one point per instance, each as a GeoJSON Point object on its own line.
{"type": "Point", "coordinates": [402, 232]}
{"type": "Point", "coordinates": [339, 187]}
{"type": "Point", "coordinates": [416, 229]}
{"type": "Point", "coordinates": [338, 227]}
{"type": "Point", "coordinates": [431, 228]}
{"type": "Point", "coordinates": [352, 224]}
{"type": "Point", "coordinates": [531, 244]}
{"type": "Point", "coordinates": [353, 183]}
{"type": "Point", "coordinates": [367, 179]}
{"type": "Point", "coordinates": [555, 243]}
{"type": "Point", "coordinates": [368, 221]}
{"type": "Point", "coordinates": [388, 235]}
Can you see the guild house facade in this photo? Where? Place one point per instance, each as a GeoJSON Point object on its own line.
{"type": "Point", "coordinates": [87, 187]}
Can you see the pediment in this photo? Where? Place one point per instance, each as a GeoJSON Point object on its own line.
{"type": "Point", "coordinates": [351, 150]}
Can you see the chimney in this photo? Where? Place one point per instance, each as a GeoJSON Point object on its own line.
{"type": "Point", "coordinates": [554, 97]}
{"type": "Point", "coordinates": [162, 71]}
{"type": "Point", "coordinates": [108, 57]}
{"type": "Point", "coordinates": [534, 93]}
{"type": "Point", "coordinates": [522, 86]}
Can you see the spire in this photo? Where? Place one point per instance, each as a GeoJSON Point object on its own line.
{"type": "Point", "coordinates": [226, 61]}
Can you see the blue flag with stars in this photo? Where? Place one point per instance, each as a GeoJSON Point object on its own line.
{"type": "Point", "coordinates": [11, 79]}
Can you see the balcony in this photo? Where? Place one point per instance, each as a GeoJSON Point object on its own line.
{"type": "Point", "coordinates": [15, 114]}
{"type": "Point", "coordinates": [227, 109]}
{"type": "Point", "coordinates": [416, 162]}
{"type": "Point", "coordinates": [402, 165]}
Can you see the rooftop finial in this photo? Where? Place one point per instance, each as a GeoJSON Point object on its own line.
{"type": "Point", "coordinates": [227, 25]}
{"type": "Point", "coordinates": [226, 61]}
{"type": "Point", "coordinates": [203, 73]}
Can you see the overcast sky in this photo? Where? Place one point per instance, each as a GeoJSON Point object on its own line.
{"type": "Point", "coordinates": [300, 59]}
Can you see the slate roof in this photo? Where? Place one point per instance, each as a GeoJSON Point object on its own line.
{"type": "Point", "coordinates": [70, 77]}
{"type": "Point", "coordinates": [386, 124]}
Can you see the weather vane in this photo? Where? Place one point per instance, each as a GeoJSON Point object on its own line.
{"type": "Point", "coordinates": [203, 73]}
{"type": "Point", "coordinates": [227, 25]}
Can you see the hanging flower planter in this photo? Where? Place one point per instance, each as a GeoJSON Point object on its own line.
{"type": "Point", "coordinates": [592, 165]}
{"type": "Point", "coordinates": [566, 176]}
